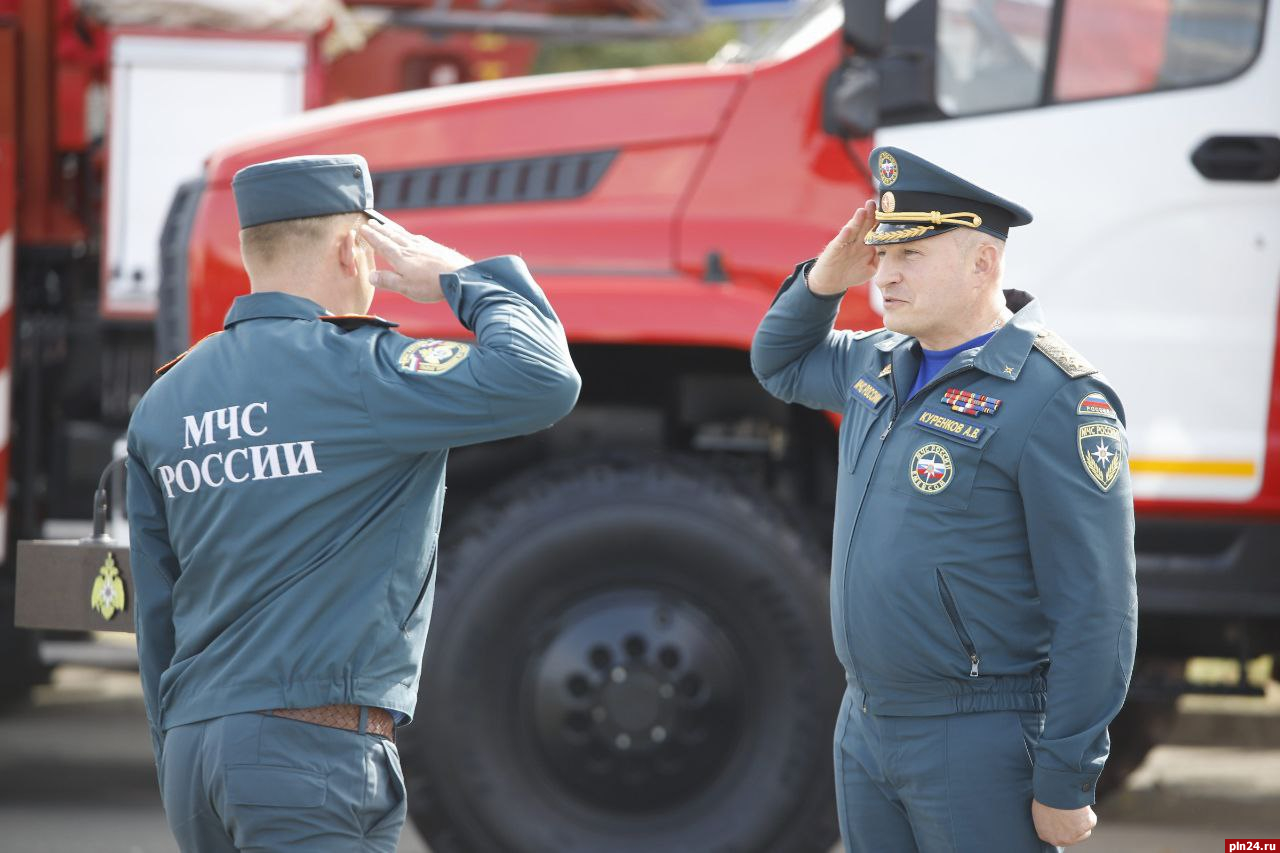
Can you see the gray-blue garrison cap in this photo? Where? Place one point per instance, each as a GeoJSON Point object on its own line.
{"type": "Point", "coordinates": [298, 187]}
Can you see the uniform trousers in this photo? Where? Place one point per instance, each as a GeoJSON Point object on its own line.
{"type": "Point", "coordinates": [259, 784]}
{"type": "Point", "coordinates": [959, 783]}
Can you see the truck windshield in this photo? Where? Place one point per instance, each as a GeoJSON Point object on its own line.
{"type": "Point", "coordinates": [795, 35]}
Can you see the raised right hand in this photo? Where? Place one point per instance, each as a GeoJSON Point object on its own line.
{"type": "Point", "coordinates": [416, 261]}
{"type": "Point", "coordinates": [847, 261]}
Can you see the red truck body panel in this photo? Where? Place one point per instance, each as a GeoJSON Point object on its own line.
{"type": "Point", "coordinates": [723, 166]}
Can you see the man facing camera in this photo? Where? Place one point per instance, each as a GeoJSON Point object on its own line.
{"type": "Point", "coordinates": [983, 597]}
{"type": "Point", "coordinates": [285, 487]}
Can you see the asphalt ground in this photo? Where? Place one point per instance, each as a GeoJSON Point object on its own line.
{"type": "Point", "coordinates": [76, 774]}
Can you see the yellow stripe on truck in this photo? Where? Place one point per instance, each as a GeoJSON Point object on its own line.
{"type": "Point", "coordinates": [1194, 467]}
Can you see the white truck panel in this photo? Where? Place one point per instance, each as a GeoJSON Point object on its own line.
{"type": "Point", "coordinates": [174, 99]}
{"type": "Point", "coordinates": [1166, 280]}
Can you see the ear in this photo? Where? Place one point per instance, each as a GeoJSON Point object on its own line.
{"type": "Point", "coordinates": [985, 260]}
{"type": "Point", "coordinates": [347, 249]}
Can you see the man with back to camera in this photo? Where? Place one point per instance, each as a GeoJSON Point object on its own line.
{"type": "Point", "coordinates": [285, 485]}
{"type": "Point", "coordinates": [983, 597]}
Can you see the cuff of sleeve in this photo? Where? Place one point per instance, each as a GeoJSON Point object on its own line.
{"type": "Point", "coordinates": [490, 271]}
{"type": "Point", "coordinates": [453, 286]}
{"type": "Point", "coordinates": [802, 279]}
{"type": "Point", "coordinates": [1064, 789]}
{"type": "Point", "coordinates": [795, 291]}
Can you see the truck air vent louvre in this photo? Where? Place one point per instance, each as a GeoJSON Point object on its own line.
{"type": "Point", "coordinates": [565, 176]}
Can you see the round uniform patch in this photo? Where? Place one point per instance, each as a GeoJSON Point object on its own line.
{"type": "Point", "coordinates": [931, 469]}
{"type": "Point", "coordinates": [888, 203]}
{"type": "Point", "coordinates": [432, 356]}
{"type": "Point", "coordinates": [888, 168]}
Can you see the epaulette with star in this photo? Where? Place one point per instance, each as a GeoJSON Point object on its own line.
{"type": "Point", "coordinates": [866, 333]}
{"type": "Point", "coordinates": [168, 365]}
{"type": "Point", "coordinates": [349, 322]}
{"type": "Point", "coordinates": [1063, 354]}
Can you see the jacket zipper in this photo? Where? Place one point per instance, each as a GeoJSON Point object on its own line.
{"type": "Point", "coordinates": [844, 591]}
{"type": "Point", "coordinates": [897, 409]}
{"type": "Point", "coordinates": [953, 613]}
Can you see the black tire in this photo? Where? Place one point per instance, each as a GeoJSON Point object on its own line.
{"type": "Point", "coordinates": [626, 655]}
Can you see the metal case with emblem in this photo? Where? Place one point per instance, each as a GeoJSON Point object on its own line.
{"type": "Point", "coordinates": [58, 579]}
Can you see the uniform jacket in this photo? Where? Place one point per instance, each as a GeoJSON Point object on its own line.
{"type": "Point", "coordinates": [285, 486]}
{"type": "Point", "coordinates": [979, 562]}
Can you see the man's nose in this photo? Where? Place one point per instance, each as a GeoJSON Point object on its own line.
{"type": "Point", "coordinates": [885, 275]}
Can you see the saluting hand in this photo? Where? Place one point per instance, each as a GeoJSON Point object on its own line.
{"type": "Point", "coordinates": [416, 261]}
{"type": "Point", "coordinates": [1063, 827]}
{"type": "Point", "coordinates": [847, 261]}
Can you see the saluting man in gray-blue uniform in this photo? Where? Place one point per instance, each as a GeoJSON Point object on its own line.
{"type": "Point", "coordinates": [982, 583]}
{"type": "Point", "coordinates": [286, 479]}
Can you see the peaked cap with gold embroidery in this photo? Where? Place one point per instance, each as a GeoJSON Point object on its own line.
{"type": "Point", "coordinates": [917, 199]}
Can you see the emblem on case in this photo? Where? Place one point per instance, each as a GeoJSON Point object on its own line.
{"type": "Point", "coordinates": [107, 597]}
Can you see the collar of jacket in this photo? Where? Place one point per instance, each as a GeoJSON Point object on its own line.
{"type": "Point", "coordinates": [1006, 353]}
{"type": "Point", "coordinates": [255, 306]}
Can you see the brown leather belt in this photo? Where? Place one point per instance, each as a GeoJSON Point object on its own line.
{"type": "Point", "coordinates": [343, 717]}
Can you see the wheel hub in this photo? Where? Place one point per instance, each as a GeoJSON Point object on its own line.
{"type": "Point", "coordinates": [635, 698]}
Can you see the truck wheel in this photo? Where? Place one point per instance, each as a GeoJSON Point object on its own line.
{"type": "Point", "coordinates": [626, 655]}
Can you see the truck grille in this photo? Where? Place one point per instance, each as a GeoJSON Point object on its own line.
{"type": "Point", "coordinates": [557, 178]}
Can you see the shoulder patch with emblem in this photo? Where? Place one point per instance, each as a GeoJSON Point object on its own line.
{"type": "Point", "coordinates": [1102, 452]}
{"type": "Point", "coordinates": [433, 356]}
{"type": "Point", "coordinates": [1063, 354]}
{"type": "Point", "coordinates": [1096, 405]}
{"type": "Point", "coordinates": [168, 365]}
{"type": "Point", "coordinates": [348, 322]}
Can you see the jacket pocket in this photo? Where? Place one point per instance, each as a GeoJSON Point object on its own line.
{"type": "Point", "coordinates": [426, 582]}
{"type": "Point", "coordinates": [940, 469]}
{"type": "Point", "coordinates": [962, 633]}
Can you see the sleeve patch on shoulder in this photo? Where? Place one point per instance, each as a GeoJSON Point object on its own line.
{"type": "Point", "coordinates": [1096, 405]}
{"type": "Point", "coordinates": [433, 356]}
{"type": "Point", "coordinates": [1102, 453]}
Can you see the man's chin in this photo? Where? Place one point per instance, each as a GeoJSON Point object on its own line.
{"type": "Point", "coordinates": [894, 322]}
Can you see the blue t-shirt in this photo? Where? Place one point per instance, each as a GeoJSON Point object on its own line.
{"type": "Point", "coordinates": [935, 360]}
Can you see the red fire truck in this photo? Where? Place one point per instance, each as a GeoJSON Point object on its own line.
{"type": "Point", "coordinates": [631, 646]}
{"type": "Point", "coordinates": [107, 107]}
